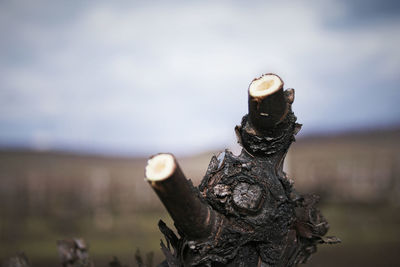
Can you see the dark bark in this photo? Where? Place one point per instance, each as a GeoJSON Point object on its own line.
{"type": "Point", "coordinates": [265, 111]}
{"type": "Point", "coordinates": [190, 214]}
{"type": "Point", "coordinates": [259, 219]}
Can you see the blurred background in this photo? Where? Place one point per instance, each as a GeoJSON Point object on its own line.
{"type": "Point", "coordinates": [90, 89]}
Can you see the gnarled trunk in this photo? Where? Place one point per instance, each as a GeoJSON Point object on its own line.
{"type": "Point", "coordinates": [245, 212]}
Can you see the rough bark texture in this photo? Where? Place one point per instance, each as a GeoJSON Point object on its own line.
{"type": "Point", "coordinates": [261, 220]}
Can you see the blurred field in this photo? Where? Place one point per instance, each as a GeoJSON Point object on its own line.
{"type": "Point", "coordinates": [362, 167]}
{"type": "Point", "coordinates": [46, 196]}
{"type": "Point", "coordinates": [49, 196]}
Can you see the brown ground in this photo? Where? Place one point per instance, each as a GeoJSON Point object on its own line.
{"type": "Point", "coordinates": [49, 196]}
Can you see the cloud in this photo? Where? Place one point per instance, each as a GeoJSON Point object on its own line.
{"type": "Point", "coordinates": [173, 77]}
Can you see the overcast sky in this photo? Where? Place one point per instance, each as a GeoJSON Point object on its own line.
{"type": "Point", "coordinates": [143, 77]}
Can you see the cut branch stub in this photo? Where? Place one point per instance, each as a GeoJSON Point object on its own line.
{"type": "Point", "coordinates": [267, 102]}
{"type": "Point", "coordinates": [191, 216]}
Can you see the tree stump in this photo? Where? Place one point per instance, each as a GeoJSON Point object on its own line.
{"type": "Point", "coordinates": [246, 211]}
